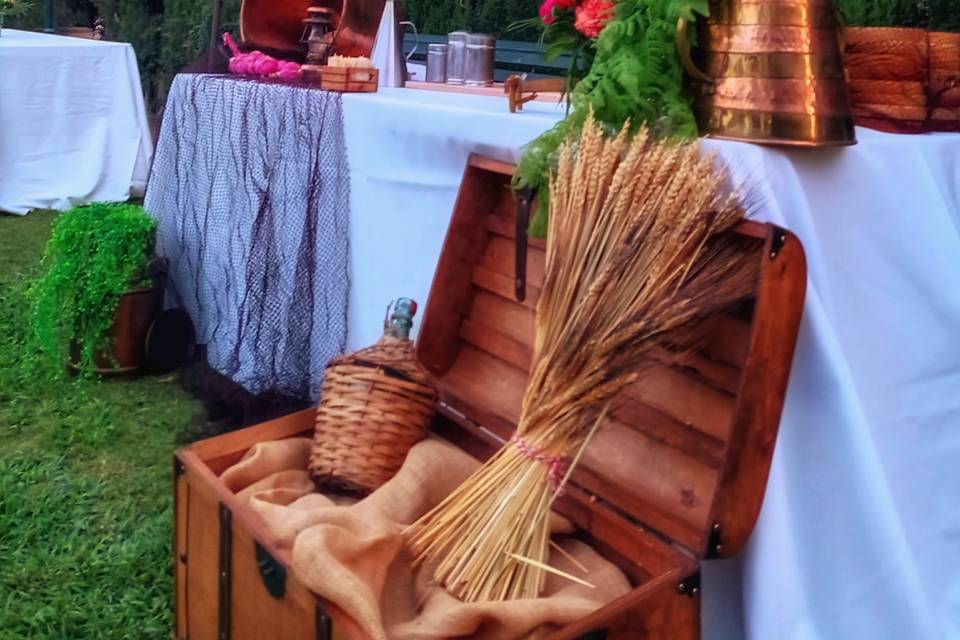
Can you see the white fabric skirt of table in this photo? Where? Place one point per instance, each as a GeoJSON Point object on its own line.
{"type": "Point", "coordinates": [859, 537]}
{"type": "Point", "coordinates": [73, 128]}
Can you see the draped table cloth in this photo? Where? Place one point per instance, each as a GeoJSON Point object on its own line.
{"type": "Point", "coordinates": [73, 128]}
{"type": "Point", "coordinates": [859, 537]}
{"type": "Point", "coordinates": [251, 193]}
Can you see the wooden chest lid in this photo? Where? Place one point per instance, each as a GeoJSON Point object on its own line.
{"type": "Point", "coordinates": [687, 450]}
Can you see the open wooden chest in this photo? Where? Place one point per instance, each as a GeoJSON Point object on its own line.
{"type": "Point", "coordinates": [677, 474]}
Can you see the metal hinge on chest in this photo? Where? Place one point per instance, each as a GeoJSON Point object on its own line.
{"type": "Point", "coordinates": [776, 244]}
{"type": "Point", "coordinates": [524, 201]}
{"type": "Point", "coordinates": [715, 543]}
{"type": "Point", "coordinates": [226, 543]}
{"type": "Point", "coordinates": [324, 627]}
{"type": "Point", "coordinates": [690, 587]}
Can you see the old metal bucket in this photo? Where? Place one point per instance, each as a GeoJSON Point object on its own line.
{"type": "Point", "coordinates": [770, 71]}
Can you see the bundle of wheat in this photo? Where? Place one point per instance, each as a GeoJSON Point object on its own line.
{"type": "Point", "coordinates": [637, 254]}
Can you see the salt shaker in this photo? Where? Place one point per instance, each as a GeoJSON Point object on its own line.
{"type": "Point", "coordinates": [456, 56]}
{"type": "Point", "coordinates": [478, 70]}
{"type": "Point", "coordinates": [437, 63]}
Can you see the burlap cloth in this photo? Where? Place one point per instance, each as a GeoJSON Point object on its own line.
{"type": "Point", "coordinates": [353, 554]}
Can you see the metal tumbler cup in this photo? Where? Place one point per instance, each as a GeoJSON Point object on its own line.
{"type": "Point", "coordinates": [456, 57]}
{"type": "Point", "coordinates": [437, 63]}
{"type": "Point", "coordinates": [478, 70]}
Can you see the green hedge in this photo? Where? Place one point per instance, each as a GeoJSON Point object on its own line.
{"type": "Point", "coordinates": [485, 16]}
{"type": "Point", "coordinates": [937, 15]}
{"type": "Point", "coordinates": [167, 34]}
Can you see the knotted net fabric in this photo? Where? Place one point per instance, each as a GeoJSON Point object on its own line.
{"type": "Point", "coordinates": [352, 552]}
{"type": "Point", "coordinates": [250, 187]}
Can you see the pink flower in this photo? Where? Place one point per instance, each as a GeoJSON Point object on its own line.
{"type": "Point", "coordinates": [546, 9]}
{"type": "Point", "coordinates": [593, 16]}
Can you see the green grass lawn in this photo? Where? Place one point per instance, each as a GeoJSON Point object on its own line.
{"type": "Point", "coordinates": [85, 465]}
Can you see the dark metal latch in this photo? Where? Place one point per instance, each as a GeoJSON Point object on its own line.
{"type": "Point", "coordinates": [715, 543]}
{"type": "Point", "coordinates": [524, 202]}
{"type": "Point", "coordinates": [776, 244]}
{"type": "Point", "coordinates": [690, 587]}
{"type": "Point", "coordinates": [272, 573]}
{"type": "Point", "coordinates": [226, 543]}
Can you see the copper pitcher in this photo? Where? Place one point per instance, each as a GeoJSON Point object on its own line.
{"type": "Point", "coordinates": [770, 71]}
{"type": "Point", "coordinates": [276, 26]}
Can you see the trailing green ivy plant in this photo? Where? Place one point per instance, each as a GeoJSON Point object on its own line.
{"type": "Point", "coordinates": [636, 77]}
{"type": "Point", "coordinates": [95, 254]}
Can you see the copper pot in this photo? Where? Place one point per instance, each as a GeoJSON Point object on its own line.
{"type": "Point", "coordinates": [770, 71]}
{"type": "Point", "coordinates": [276, 26]}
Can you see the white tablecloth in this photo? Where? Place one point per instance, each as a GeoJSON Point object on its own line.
{"type": "Point", "coordinates": [859, 537]}
{"type": "Point", "coordinates": [407, 151]}
{"type": "Point", "coordinates": [73, 128]}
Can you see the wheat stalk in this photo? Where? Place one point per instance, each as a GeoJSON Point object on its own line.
{"type": "Point", "coordinates": [637, 254]}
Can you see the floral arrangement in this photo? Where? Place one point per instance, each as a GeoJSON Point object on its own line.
{"type": "Point", "coordinates": [592, 16]}
{"type": "Point", "coordinates": [570, 27]}
{"type": "Point", "coordinates": [635, 75]}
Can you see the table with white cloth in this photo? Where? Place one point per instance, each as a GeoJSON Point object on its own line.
{"type": "Point", "coordinates": [73, 128]}
{"type": "Point", "coordinates": [859, 536]}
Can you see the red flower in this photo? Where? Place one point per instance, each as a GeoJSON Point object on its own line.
{"type": "Point", "coordinates": [593, 16]}
{"type": "Point", "coordinates": [546, 9]}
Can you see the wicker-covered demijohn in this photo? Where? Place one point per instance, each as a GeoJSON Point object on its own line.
{"type": "Point", "coordinates": [375, 405]}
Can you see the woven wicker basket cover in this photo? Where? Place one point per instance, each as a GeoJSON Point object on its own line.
{"type": "Point", "coordinates": [375, 405]}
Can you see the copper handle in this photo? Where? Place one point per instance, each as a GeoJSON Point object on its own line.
{"type": "Point", "coordinates": [841, 32]}
{"type": "Point", "coordinates": [683, 48]}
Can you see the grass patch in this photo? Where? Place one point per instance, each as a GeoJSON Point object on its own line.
{"type": "Point", "coordinates": [85, 505]}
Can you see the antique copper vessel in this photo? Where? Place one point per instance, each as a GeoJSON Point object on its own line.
{"type": "Point", "coordinates": [276, 26]}
{"type": "Point", "coordinates": [770, 71]}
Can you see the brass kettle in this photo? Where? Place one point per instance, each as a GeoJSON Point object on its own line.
{"type": "Point", "coordinates": [770, 71]}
